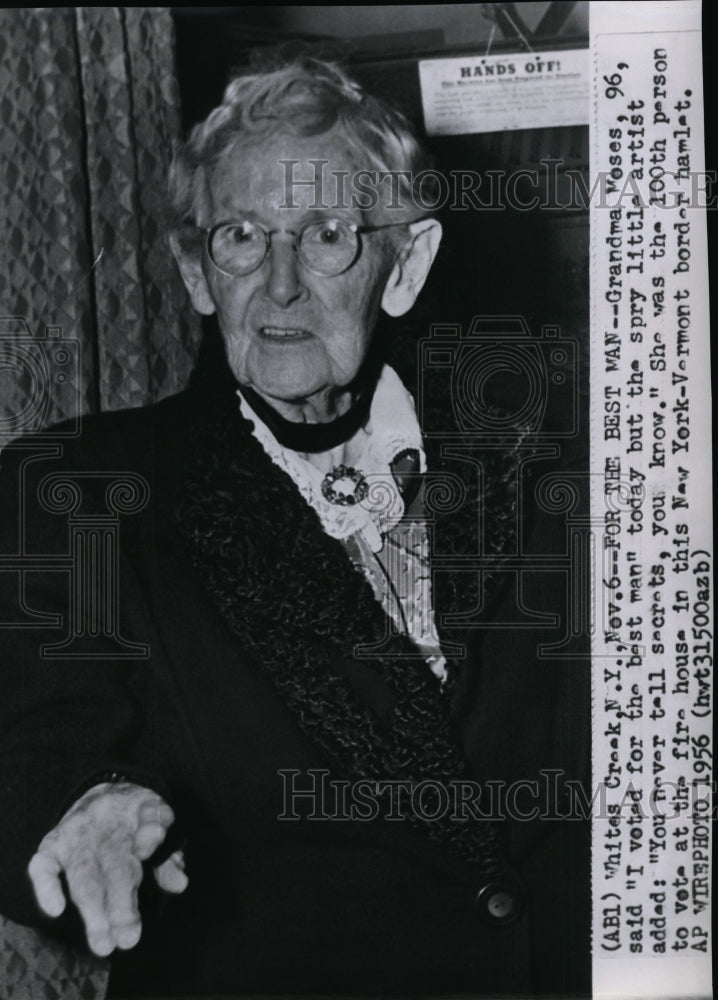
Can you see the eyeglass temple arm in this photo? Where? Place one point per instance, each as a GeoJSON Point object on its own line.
{"type": "Point", "coordinates": [387, 225]}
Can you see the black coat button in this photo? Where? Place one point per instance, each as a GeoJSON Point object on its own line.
{"type": "Point", "coordinates": [500, 901]}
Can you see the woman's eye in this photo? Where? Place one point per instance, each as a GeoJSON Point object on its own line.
{"type": "Point", "coordinates": [242, 233]}
{"type": "Point", "coordinates": [330, 234]}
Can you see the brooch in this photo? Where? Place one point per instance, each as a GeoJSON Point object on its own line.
{"type": "Point", "coordinates": [344, 486]}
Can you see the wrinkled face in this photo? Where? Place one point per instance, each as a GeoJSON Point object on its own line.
{"type": "Point", "coordinates": [291, 333]}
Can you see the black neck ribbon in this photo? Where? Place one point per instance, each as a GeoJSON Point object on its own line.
{"type": "Point", "coordinates": [311, 438]}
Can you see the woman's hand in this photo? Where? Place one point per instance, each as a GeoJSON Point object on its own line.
{"type": "Point", "coordinates": [99, 845]}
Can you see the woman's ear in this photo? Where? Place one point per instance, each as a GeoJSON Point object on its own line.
{"type": "Point", "coordinates": [190, 267]}
{"type": "Point", "coordinates": [411, 267]}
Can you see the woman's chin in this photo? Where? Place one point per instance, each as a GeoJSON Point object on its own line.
{"type": "Point", "coordinates": [289, 380]}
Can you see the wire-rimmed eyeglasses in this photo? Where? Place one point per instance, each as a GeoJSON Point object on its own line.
{"type": "Point", "coordinates": [327, 247]}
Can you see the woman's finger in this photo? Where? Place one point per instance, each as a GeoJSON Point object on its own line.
{"type": "Point", "coordinates": [148, 838]}
{"type": "Point", "coordinates": [156, 811]}
{"type": "Point", "coordinates": [44, 871]}
{"type": "Point", "coordinates": [170, 875]}
{"type": "Point", "coordinates": [123, 874]}
{"type": "Point", "coordinates": [87, 885]}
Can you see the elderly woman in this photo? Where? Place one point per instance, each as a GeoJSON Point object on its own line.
{"type": "Point", "coordinates": [278, 799]}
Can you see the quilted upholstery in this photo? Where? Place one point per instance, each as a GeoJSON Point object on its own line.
{"type": "Point", "coordinates": [89, 115]}
{"type": "Point", "coordinates": [33, 967]}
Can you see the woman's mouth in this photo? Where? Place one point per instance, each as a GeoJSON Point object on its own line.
{"type": "Point", "coordinates": [283, 332]}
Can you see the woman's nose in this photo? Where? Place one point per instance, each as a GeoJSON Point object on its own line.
{"type": "Point", "coordinates": [284, 284]}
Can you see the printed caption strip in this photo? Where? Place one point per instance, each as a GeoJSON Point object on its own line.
{"type": "Point", "coordinates": [651, 502]}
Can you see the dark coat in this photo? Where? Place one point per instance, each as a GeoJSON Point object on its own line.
{"type": "Point", "coordinates": [309, 906]}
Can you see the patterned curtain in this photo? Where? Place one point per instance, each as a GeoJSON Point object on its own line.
{"type": "Point", "coordinates": [92, 313]}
